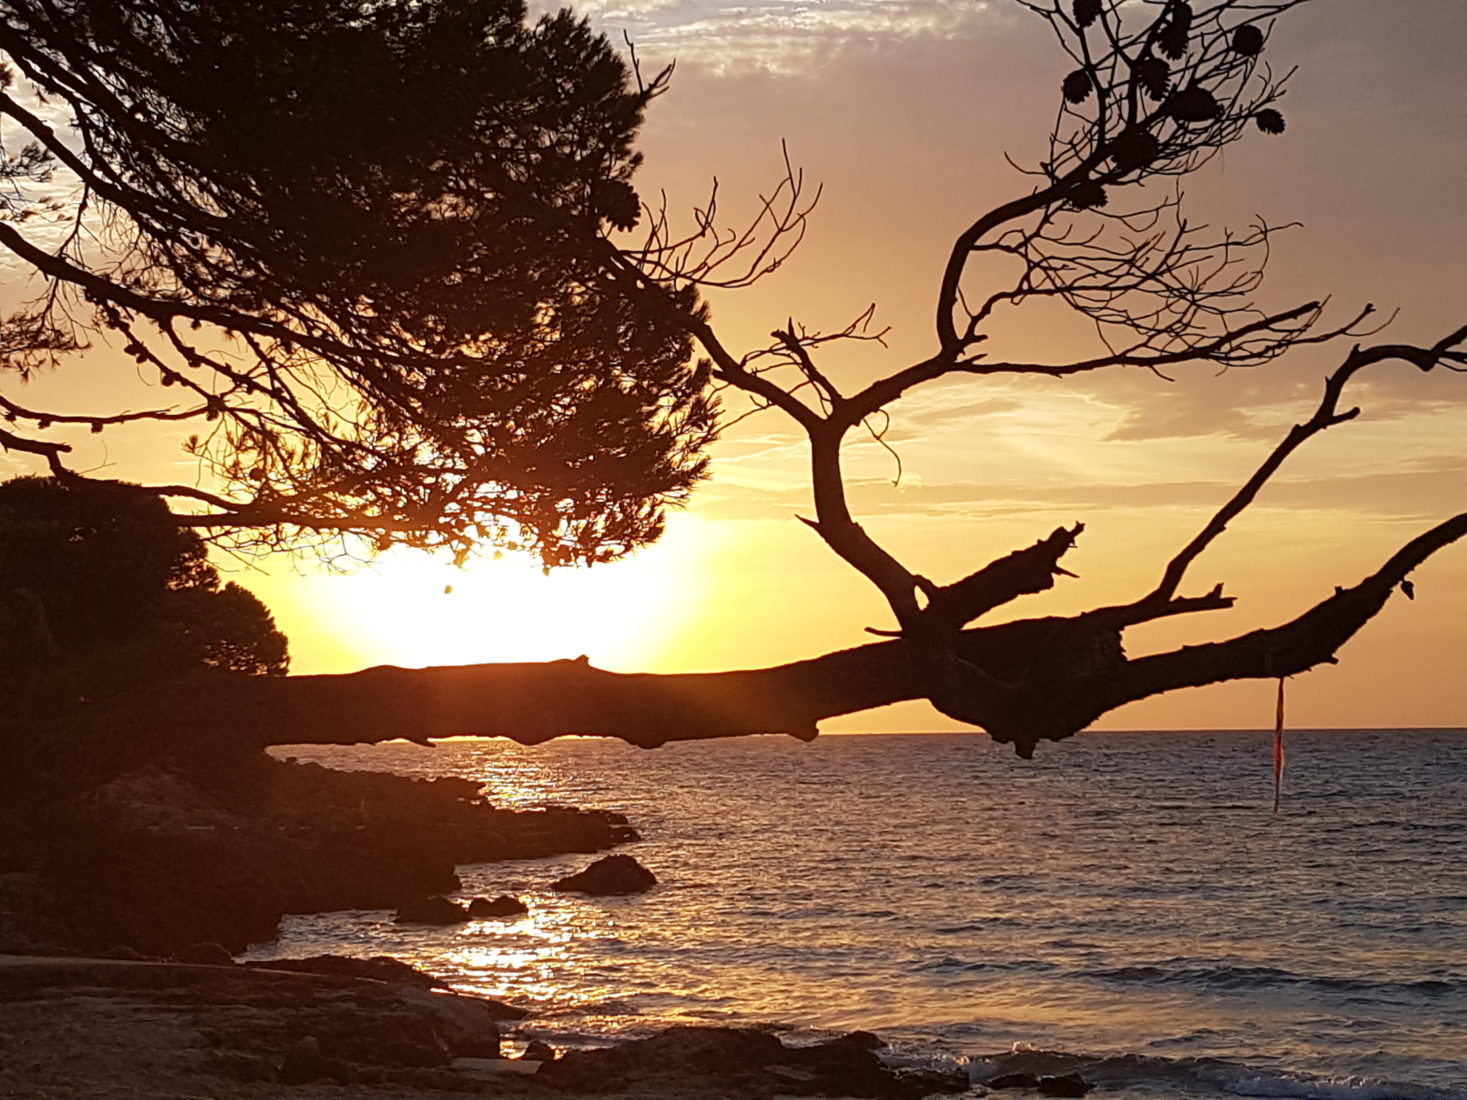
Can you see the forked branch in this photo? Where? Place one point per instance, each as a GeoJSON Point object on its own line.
{"type": "Point", "coordinates": [1446, 351]}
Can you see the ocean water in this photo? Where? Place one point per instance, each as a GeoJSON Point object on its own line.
{"type": "Point", "coordinates": [1125, 906]}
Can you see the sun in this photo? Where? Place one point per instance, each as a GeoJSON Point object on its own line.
{"type": "Point", "coordinates": [408, 608]}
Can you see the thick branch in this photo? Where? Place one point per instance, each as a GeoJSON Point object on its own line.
{"type": "Point", "coordinates": [529, 703]}
{"type": "Point", "coordinates": [1024, 572]}
{"type": "Point", "coordinates": [847, 537]}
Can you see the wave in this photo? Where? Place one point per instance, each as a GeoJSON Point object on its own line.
{"type": "Point", "coordinates": [1262, 977]}
{"type": "Point", "coordinates": [949, 964]}
{"type": "Point", "coordinates": [1201, 1075]}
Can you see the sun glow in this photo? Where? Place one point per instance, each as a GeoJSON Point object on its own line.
{"type": "Point", "coordinates": [410, 609]}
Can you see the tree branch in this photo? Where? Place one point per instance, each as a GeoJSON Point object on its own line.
{"type": "Point", "coordinates": [1327, 415]}
{"type": "Point", "coordinates": [1310, 639]}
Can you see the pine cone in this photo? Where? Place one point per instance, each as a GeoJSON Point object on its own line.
{"type": "Point", "coordinates": [1078, 86]}
{"type": "Point", "coordinates": [1194, 104]}
{"type": "Point", "coordinates": [1248, 41]}
{"type": "Point", "coordinates": [1086, 12]}
{"type": "Point", "coordinates": [1173, 36]}
{"type": "Point", "coordinates": [1087, 195]}
{"type": "Point", "coordinates": [1269, 121]}
{"type": "Point", "coordinates": [1135, 148]}
{"type": "Point", "coordinates": [617, 202]}
{"type": "Point", "coordinates": [1154, 77]}
{"type": "Point", "coordinates": [1173, 41]}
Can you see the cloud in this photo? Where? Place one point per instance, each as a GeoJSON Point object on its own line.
{"type": "Point", "coordinates": [973, 410]}
{"type": "Point", "coordinates": [787, 37]}
{"type": "Point", "coordinates": [1422, 491]}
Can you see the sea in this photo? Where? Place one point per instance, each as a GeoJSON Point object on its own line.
{"type": "Point", "coordinates": [1126, 906]}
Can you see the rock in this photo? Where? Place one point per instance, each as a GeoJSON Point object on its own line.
{"type": "Point", "coordinates": [434, 910]}
{"type": "Point", "coordinates": [792, 1075]}
{"type": "Point", "coordinates": [729, 1062]}
{"type": "Point", "coordinates": [304, 1063]}
{"type": "Point", "coordinates": [239, 1065]}
{"type": "Point", "coordinates": [205, 954]}
{"type": "Point", "coordinates": [488, 1069]}
{"type": "Point", "coordinates": [609, 875]}
{"type": "Point", "coordinates": [501, 1011]}
{"type": "Point", "coordinates": [502, 906]}
{"type": "Point", "coordinates": [538, 1050]}
{"type": "Point", "coordinates": [1013, 1081]}
{"type": "Point", "coordinates": [723, 1058]}
{"type": "Point", "coordinates": [1066, 1084]}
{"type": "Point", "coordinates": [917, 1083]}
{"type": "Point", "coordinates": [379, 968]}
{"type": "Point", "coordinates": [844, 1067]}
{"type": "Point", "coordinates": [464, 1025]}
{"type": "Point", "coordinates": [123, 952]}
{"type": "Point", "coordinates": [216, 849]}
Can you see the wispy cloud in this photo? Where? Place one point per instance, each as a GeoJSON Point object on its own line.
{"type": "Point", "coordinates": [780, 36]}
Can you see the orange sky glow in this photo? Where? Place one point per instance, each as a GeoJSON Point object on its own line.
{"type": "Point", "coordinates": [903, 109]}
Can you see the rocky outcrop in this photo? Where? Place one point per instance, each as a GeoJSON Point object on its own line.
{"type": "Point", "coordinates": [159, 862]}
{"type": "Point", "coordinates": [608, 875]}
{"type": "Point", "coordinates": [267, 1027]}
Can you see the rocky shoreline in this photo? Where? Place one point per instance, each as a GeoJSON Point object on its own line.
{"type": "Point", "coordinates": [374, 1029]}
{"type": "Point", "coordinates": [168, 874]}
{"type": "Point", "coordinates": [160, 861]}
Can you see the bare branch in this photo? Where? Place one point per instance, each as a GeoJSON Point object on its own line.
{"type": "Point", "coordinates": [1327, 415]}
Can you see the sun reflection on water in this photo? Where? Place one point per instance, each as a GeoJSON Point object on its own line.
{"type": "Point", "coordinates": [540, 959]}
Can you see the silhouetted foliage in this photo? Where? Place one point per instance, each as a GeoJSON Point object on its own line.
{"type": "Point", "coordinates": [101, 593]}
{"type": "Point", "coordinates": [399, 209]}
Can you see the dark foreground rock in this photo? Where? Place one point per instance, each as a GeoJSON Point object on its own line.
{"type": "Point", "coordinates": [377, 968]}
{"type": "Point", "coordinates": [205, 1030]}
{"type": "Point", "coordinates": [608, 875]}
{"type": "Point", "coordinates": [112, 1028]}
{"type": "Point", "coordinates": [159, 861]}
{"type": "Point", "coordinates": [381, 968]}
{"type": "Point", "coordinates": [744, 1062]}
{"type": "Point", "coordinates": [1062, 1084]}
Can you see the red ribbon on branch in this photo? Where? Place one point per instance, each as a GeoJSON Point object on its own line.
{"type": "Point", "coordinates": [1278, 747]}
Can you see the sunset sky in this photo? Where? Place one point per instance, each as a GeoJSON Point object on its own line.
{"type": "Point", "coordinates": [903, 109]}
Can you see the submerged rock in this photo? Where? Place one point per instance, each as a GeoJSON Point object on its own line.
{"type": "Point", "coordinates": [608, 875]}
{"type": "Point", "coordinates": [500, 907]}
